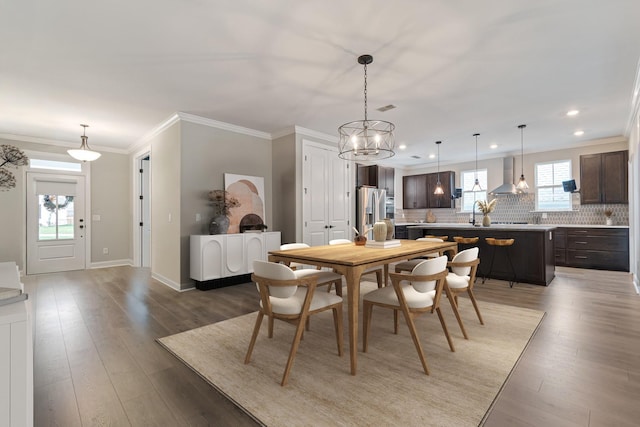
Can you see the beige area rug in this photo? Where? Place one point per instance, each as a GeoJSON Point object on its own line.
{"type": "Point", "coordinates": [390, 388]}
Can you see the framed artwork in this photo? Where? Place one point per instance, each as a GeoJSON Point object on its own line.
{"type": "Point", "coordinates": [249, 190]}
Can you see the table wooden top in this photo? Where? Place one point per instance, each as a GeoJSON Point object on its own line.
{"type": "Point", "coordinates": [352, 255]}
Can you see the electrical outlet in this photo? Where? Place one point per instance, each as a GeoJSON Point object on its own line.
{"type": "Point", "coordinates": [198, 217]}
{"type": "Point", "coordinates": [105, 251]}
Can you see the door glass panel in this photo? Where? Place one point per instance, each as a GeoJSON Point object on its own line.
{"type": "Point", "coordinates": [56, 217]}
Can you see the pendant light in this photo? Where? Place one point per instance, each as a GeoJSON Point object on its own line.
{"type": "Point", "coordinates": [366, 139]}
{"type": "Point", "coordinates": [438, 190]}
{"type": "Point", "coordinates": [84, 153]}
{"type": "Point", "coordinates": [476, 184]}
{"type": "Point", "coordinates": [522, 184]}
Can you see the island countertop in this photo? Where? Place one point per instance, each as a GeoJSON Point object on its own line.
{"type": "Point", "coordinates": [458, 226]}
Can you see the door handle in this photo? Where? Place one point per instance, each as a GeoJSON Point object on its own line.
{"type": "Point", "coordinates": [81, 226]}
{"type": "Point", "coordinates": [331, 226]}
{"type": "Point", "coordinates": [326, 226]}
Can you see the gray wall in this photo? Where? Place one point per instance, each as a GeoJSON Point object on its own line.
{"type": "Point", "coordinates": [165, 206]}
{"type": "Point", "coordinates": [284, 187]}
{"type": "Point", "coordinates": [206, 154]}
{"type": "Point", "coordinates": [110, 189]}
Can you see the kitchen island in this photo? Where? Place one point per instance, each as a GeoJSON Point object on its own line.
{"type": "Point", "coordinates": [532, 253]}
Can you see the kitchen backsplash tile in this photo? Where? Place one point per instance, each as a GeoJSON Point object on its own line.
{"type": "Point", "coordinates": [520, 208]}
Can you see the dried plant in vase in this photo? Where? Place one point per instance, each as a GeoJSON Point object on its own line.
{"type": "Point", "coordinates": [222, 202]}
{"type": "Point", "coordinates": [486, 208]}
{"type": "Point", "coordinates": [608, 213]}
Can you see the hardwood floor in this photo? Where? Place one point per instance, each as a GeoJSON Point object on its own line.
{"type": "Point", "coordinates": [96, 361]}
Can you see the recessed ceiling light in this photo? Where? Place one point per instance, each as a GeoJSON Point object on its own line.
{"type": "Point", "coordinates": [432, 156]}
{"type": "Point", "coordinates": [402, 146]}
{"type": "Point", "coordinates": [573, 112]}
{"type": "Point", "coordinates": [493, 146]}
{"type": "Point", "coordinates": [579, 133]}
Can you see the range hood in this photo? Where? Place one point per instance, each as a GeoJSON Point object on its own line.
{"type": "Point", "coordinates": [508, 178]}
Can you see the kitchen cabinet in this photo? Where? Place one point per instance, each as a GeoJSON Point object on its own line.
{"type": "Point", "coordinates": [414, 191]}
{"type": "Point", "coordinates": [604, 178]}
{"type": "Point", "coordinates": [447, 180]}
{"type": "Point", "coordinates": [376, 176]}
{"type": "Point", "coordinates": [593, 247]}
{"type": "Point", "coordinates": [532, 253]}
{"type": "Point", "coordinates": [418, 190]}
{"type": "Point", "coordinates": [401, 232]}
{"type": "Point", "coordinates": [226, 259]}
{"type": "Point", "coordinates": [560, 246]}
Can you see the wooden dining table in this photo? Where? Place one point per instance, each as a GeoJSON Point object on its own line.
{"type": "Point", "coordinates": [351, 261]}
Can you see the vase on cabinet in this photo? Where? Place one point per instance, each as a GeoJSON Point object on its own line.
{"type": "Point", "coordinates": [219, 225]}
{"type": "Point", "coordinates": [486, 220]}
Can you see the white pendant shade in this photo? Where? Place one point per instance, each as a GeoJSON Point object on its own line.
{"type": "Point", "coordinates": [84, 153]}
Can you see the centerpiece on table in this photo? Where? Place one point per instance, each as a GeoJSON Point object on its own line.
{"type": "Point", "coordinates": [222, 202]}
{"type": "Point", "coordinates": [486, 208]}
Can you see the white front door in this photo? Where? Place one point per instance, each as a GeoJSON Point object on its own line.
{"type": "Point", "coordinates": [56, 226]}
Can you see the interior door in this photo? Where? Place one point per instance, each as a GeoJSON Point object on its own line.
{"type": "Point", "coordinates": [326, 200]}
{"type": "Point", "coordinates": [56, 225]}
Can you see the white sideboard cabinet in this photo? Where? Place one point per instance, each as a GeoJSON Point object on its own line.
{"type": "Point", "coordinates": [16, 355]}
{"type": "Point", "coordinates": [225, 256]}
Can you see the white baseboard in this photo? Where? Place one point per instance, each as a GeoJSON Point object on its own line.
{"type": "Point", "coordinates": [112, 263]}
{"type": "Point", "coordinates": [173, 285]}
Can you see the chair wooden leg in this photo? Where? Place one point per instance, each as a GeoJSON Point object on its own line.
{"type": "Point", "coordinates": [270, 335]}
{"type": "Point", "coordinates": [395, 322]}
{"type": "Point", "coordinates": [416, 340]}
{"type": "Point", "coordinates": [367, 310]}
{"type": "Point", "coordinates": [294, 349]}
{"type": "Point", "coordinates": [454, 307]}
{"type": "Point", "coordinates": [444, 328]}
{"type": "Point", "coordinates": [475, 305]}
{"type": "Point", "coordinates": [337, 321]}
{"type": "Point", "coordinates": [308, 323]}
{"type": "Point", "coordinates": [254, 335]}
{"type": "Point", "coordinates": [338, 284]}
{"type": "Point", "coordinates": [379, 278]}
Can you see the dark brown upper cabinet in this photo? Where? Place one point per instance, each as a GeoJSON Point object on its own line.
{"type": "Point", "coordinates": [603, 178]}
{"type": "Point", "coordinates": [447, 180]}
{"type": "Point", "coordinates": [414, 192]}
{"type": "Point", "coordinates": [376, 176]}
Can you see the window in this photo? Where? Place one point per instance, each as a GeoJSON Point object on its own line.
{"type": "Point", "coordinates": [550, 195]}
{"type": "Point", "coordinates": [55, 165]}
{"type": "Point", "coordinates": [469, 197]}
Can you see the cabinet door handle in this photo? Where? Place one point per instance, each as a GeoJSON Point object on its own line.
{"type": "Point", "coordinates": [581, 257]}
{"type": "Point", "coordinates": [580, 231]}
{"type": "Point", "coordinates": [581, 243]}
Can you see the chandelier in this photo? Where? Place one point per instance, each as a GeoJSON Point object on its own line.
{"type": "Point", "coordinates": [84, 153]}
{"type": "Point", "coordinates": [366, 139]}
{"type": "Point", "coordinates": [439, 190]}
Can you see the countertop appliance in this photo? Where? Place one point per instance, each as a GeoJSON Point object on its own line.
{"type": "Point", "coordinates": [370, 207]}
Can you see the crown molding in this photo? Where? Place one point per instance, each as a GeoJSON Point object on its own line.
{"type": "Point", "coordinates": [299, 130]}
{"type": "Point", "coordinates": [191, 118]}
{"type": "Point", "coordinates": [58, 143]}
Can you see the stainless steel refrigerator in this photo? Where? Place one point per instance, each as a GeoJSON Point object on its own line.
{"type": "Point", "coordinates": [370, 207]}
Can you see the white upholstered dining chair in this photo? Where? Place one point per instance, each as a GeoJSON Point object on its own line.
{"type": "Point", "coordinates": [413, 294]}
{"type": "Point", "coordinates": [378, 271]}
{"type": "Point", "coordinates": [323, 276]}
{"type": "Point", "coordinates": [285, 296]}
{"type": "Point", "coordinates": [410, 264]}
{"type": "Point", "coordinates": [461, 278]}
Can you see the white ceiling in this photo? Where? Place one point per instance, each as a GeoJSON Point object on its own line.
{"type": "Point", "coordinates": [452, 68]}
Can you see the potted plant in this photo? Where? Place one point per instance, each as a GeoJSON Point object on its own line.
{"type": "Point", "coordinates": [222, 202]}
{"type": "Point", "coordinates": [608, 213]}
{"type": "Point", "coordinates": [486, 208]}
